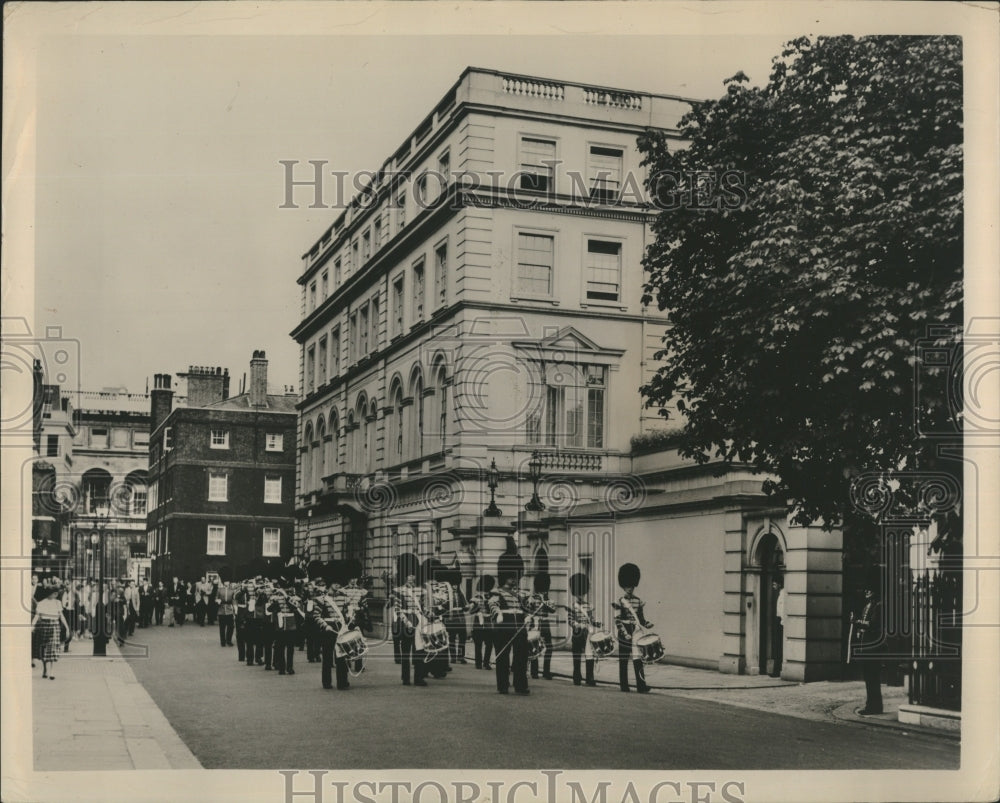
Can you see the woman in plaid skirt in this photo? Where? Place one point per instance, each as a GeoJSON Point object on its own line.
{"type": "Point", "coordinates": [46, 623]}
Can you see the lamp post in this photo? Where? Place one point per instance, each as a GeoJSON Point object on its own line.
{"type": "Point", "coordinates": [493, 481]}
{"type": "Point", "coordinates": [100, 631]}
{"type": "Point", "coordinates": [535, 472]}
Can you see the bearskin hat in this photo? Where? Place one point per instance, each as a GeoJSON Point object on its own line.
{"type": "Point", "coordinates": [579, 585]}
{"type": "Point", "coordinates": [353, 569]}
{"type": "Point", "coordinates": [486, 583]}
{"type": "Point", "coordinates": [434, 571]}
{"type": "Point", "coordinates": [315, 569]}
{"type": "Point", "coordinates": [407, 564]}
{"type": "Point", "coordinates": [628, 575]}
{"type": "Point", "coordinates": [542, 583]}
{"type": "Point", "coordinates": [509, 565]}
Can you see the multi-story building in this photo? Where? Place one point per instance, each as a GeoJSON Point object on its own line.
{"type": "Point", "coordinates": [222, 475]}
{"type": "Point", "coordinates": [472, 346]}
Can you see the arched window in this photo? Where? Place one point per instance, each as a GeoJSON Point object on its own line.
{"type": "Point", "coordinates": [351, 437]}
{"type": "Point", "coordinates": [415, 425]}
{"type": "Point", "coordinates": [307, 467]}
{"type": "Point", "coordinates": [440, 422]}
{"type": "Point", "coordinates": [371, 420]}
{"type": "Point", "coordinates": [361, 435]}
{"type": "Point", "coordinates": [332, 445]}
{"type": "Point", "coordinates": [321, 464]}
{"type": "Point", "coordinates": [394, 427]}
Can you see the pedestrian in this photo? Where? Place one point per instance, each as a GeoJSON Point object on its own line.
{"type": "Point", "coordinates": [868, 647]}
{"type": "Point", "coordinates": [778, 593]}
{"type": "Point", "coordinates": [69, 615]}
{"type": "Point", "coordinates": [482, 628]}
{"type": "Point", "coordinates": [629, 617]}
{"type": "Point", "coordinates": [132, 609]}
{"type": "Point", "coordinates": [159, 595]}
{"type": "Point", "coordinates": [178, 600]}
{"type": "Point", "coordinates": [46, 625]}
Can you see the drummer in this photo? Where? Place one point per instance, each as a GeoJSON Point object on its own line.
{"type": "Point", "coordinates": [629, 616]}
{"type": "Point", "coordinates": [582, 624]}
{"type": "Point", "coordinates": [327, 620]}
{"type": "Point", "coordinates": [540, 607]}
{"type": "Point", "coordinates": [408, 612]}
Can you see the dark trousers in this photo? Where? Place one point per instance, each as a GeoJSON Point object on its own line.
{"type": "Point", "coordinates": [227, 624]}
{"type": "Point", "coordinates": [326, 641]}
{"type": "Point", "coordinates": [546, 633]}
{"type": "Point", "coordinates": [456, 639]}
{"type": "Point", "coordinates": [779, 643]}
{"type": "Point", "coordinates": [158, 611]}
{"type": "Point", "coordinates": [872, 673]}
{"type": "Point", "coordinates": [213, 611]}
{"type": "Point", "coordinates": [145, 613]}
{"type": "Point", "coordinates": [482, 638]}
{"type": "Point", "coordinates": [624, 656]}
{"type": "Point", "coordinates": [410, 654]}
{"type": "Point", "coordinates": [179, 614]}
{"type": "Point", "coordinates": [241, 638]}
{"type": "Point", "coordinates": [578, 644]}
{"type": "Point", "coordinates": [511, 643]}
{"type": "Point", "coordinates": [314, 643]}
{"type": "Point", "coordinates": [250, 636]}
{"type": "Point", "coordinates": [284, 650]}
{"type": "Point", "coordinates": [199, 612]}
{"type": "Point", "coordinates": [263, 641]}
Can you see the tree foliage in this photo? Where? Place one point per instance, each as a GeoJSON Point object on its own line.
{"type": "Point", "coordinates": [795, 315]}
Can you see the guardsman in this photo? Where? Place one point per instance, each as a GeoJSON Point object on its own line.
{"type": "Point", "coordinates": [582, 624]}
{"type": "Point", "coordinates": [244, 600]}
{"type": "Point", "coordinates": [540, 608]}
{"type": "Point", "coordinates": [454, 616]}
{"type": "Point", "coordinates": [408, 612]}
{"type": "Point", "coordinates": [869, 647]}
{"type": "Point", "coordinates": [327, 622]}
{"type": "Point", "coordinates": [356, 607]}
{"type": "Point", "coordinates": [286, 613]}
{"type": "Point", "coordinates": [482, 623]}
{"type": "Point", "coordinates": [510, 628]}
{"type": "Point", "coordinates": [628, 617]}
{"type": "Point", "coordinates": [263, 632]}
{"type": "Point", "coordinates": [437, 593]}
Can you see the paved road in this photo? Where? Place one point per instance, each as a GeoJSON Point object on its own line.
{"type": "Point", "coordinates": [238, 717]}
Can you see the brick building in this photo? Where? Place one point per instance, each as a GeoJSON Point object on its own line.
{"type": "Point", "coordinates": [222, 475]}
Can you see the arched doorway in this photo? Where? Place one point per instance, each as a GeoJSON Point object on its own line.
{"type": "Point", "coordinates": [771, 560]}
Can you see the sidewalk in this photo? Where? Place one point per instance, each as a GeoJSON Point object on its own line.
{"type": "Point", "coordinates": [821, 701]}
{"type": "Point", "coordinates": [96, 715]}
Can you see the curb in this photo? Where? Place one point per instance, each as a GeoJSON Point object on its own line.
{"type": "Point", "coordinates": [845, 713]}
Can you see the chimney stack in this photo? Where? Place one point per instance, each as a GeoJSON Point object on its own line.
{"type": "Point", "coordinates": [206, 385]}
{"type": "Point", "coordinates": [258, 380]}
{"type": "Point", "coordinates": [161, 400]}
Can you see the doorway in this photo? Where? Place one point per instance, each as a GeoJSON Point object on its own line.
{"type": "Point", "coordinates": [771, 559]}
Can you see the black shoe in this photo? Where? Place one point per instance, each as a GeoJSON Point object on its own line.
{"type": "Point", "coordinates": [624, 688]}
{"type": "Point", "coordinates": [291, 671]}
{"type": "Point", "coordinates": [864, 712]}
{"type": "Point", "coordinates": [261, 663]}
{"type": "Point", "coordinates": [406, 683]}
{"type": "Point", "coordinates": [534, 676]}
{"type": "Point", "coordinates": [547, 675]}
{"type": "Point", "coordinates": [420, 683]}
{"type": "Point", "coordinates": [577, 682]}
{"type": "Point", "coordinates": [522, 691]}
{"type": "Point", "coordinates": [280, 671]}
{"type": "Point", "coordinates": [327, 685]}
{"type": "Point", "coordinates": [487, 667]}
{"type": "Point", "coordinates": [643, 689]}
{"type": "Point", "coordinates": [267, 669]}
{"type": "Point", "coordinates": [502, 691]}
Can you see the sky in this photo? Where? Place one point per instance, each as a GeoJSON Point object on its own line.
{"type": "Point", "coordinates": [159, 238]}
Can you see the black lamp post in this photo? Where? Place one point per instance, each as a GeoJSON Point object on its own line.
{"type": "Point", "coordinates": [535, 472]}
{"type": "Point", "coordinates": [100, 620]}
{"type": "Point", "coordinates": [493, 481]}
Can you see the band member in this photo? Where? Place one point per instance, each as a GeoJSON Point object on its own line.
{"type": "Point", "coordinates": [540, 608]}
{"type": "Point", "coordinates": [243, 601]}
{"type": "Point", "coordinates": [408, 612]}
{"type": "Point", "coordinates": [262, 630]}
{"type": "Point", "coordinates": [582, 624]}
{"type": "Point", "coordinates": [437, 594]}
{"type": "Point", "coordinates": [285, 613]}
{"type": "Point", "coordinates": [454, 616]}
{"type": "Point", "coordinates": [510, 629]}
{"type": "Point", "coordinates": [482, 626]}
{"type": "Point", "coordinates": [226, 599]}
{"type": "Point", "coordinates": [356, 608]}
{"type": "Point", "coordinates": [628, 617]}
{"type": "Point", "coordinates": [327, 620]}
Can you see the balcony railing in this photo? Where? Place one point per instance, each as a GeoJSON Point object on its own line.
{"type": "Point", "coordinates": [616, 100]}
{"type": "Point", "coordinates": [571, 461]}
{"type": "Point", "coordinates": [543, 90]}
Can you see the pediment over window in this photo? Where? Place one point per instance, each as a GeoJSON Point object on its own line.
{"type": "Point", "coordinates": [568, 345]}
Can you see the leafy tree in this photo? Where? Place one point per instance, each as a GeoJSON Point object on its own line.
{"type": "Point", "coordinates": [795, 312]}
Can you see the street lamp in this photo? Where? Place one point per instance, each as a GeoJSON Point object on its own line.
{"type": "Point", "coordinates": [100, 620]}
{"type": "Point", "coordinates": [535, 472]}
{"type": "Point", "coordinates": [493, 481]}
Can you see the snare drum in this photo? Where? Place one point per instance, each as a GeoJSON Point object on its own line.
{"type": "Point", "coordinates": [535, 645]}
{"type": "Point", "coordinates": [351, 645]}
{"type": "Point", "coordinates": [650, 648]}
{"type": "Point", "coordinates": [602, 644]}
{"type": "Point", "coordinates": [435, 636]}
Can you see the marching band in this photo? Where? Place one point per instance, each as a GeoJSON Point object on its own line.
{"type": "Point", "coordinates": [327, 614]}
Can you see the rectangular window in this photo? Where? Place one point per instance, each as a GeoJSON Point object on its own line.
{"type": "Point", "coordinates": [604, 173]}
{"type": "Point", "coordinates": [337, 274]}
{"type": "Point", "coordinates": [377, 232]}
{"type": "Point", "coordinates": [272, 489]}
{"type": "Point", "coordinates": [535, 254]}
{"type": "Point", "coordinates": [310, 369]}
{"type": "Point", "coordinates": [538, 158]}
{"type": "Point", "coordinates": [595, 406]}
{"type": "Point", "coordinates": [324, 283]}
{"type": "Point", "coordinates": [119, 438]}
{"type": "Point", "coordinates": [604, 270]}
{"type": "Point", "coordinates": [335, 348]}
{"type": "Point", "coordinates": [355, 257]}
{"type": "Point", "coordinates": [574, 408]}
{"type": "Point", "coordinates": [274, 442]}
{"type": "Point", "coordinates": [218, 487]}
{"type": "Point", "coordinates": [272, 542]}
{"type": "Point", "coordinates": [363, 331]}
{"type": "Point", "coordinates": [352, 345]}
{"type": "Point", "coordinates": [312, 296]}
{"type": "Point", "coordinates": [441, 274]}
{"type": "Point", "coordinates": [374, 324]}
{"type": "Point", "coordinates": [51, 445]}
{"type": "Point", "coordinates": [322, 358]}
{"type": "Point", "coordinates": [418, 291]}
{"type": "Point", "coordinates": [444, 167]}
{"type": "Point", "coordinates": [220, 439]}
{"type": "Point", "coordinates": [397, 307]}
{"type": "Point", "coordinates": [140, 497]}
{"type": "Point", "coordinates": [401, 210]}
{"type": "Point", "coordinates": [216, 540]}
{"type": "Point", "coordinates": [366, 245]}
{"type": "Point", "coordinates": [99, 438]}
{"type": "Point", "coordinates": [140, 440]}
